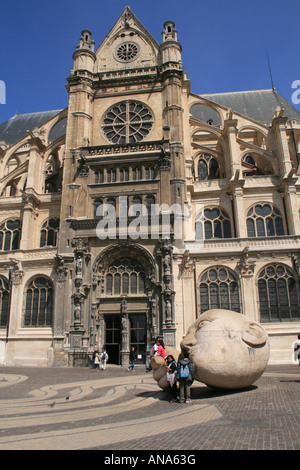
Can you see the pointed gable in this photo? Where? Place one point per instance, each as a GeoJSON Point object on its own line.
{"type": "Point", "coordinates": [127, 45]}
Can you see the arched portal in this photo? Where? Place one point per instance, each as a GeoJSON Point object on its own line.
{"type": "Point", "coordinates": [124, 302]}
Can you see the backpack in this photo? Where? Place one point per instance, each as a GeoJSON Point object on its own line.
{"type": "Point", "coordinates": [103, 357]}
{"type": "Point", "coordinates": [184, 371]}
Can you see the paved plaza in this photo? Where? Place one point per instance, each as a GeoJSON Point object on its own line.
{"type": "Point", "coordinates": [82, 408]}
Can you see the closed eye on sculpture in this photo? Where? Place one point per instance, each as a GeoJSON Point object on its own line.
{"type": "Point", "coordinates": [203, 323]}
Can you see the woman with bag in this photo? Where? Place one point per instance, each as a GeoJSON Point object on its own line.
{"type": "Point", "coordinates": [172, 376]}
{"type": "Point", "coordinates": [96, 360]}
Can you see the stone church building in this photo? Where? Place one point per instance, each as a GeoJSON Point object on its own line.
{"type": "Point", "coordinates": [142, 205]}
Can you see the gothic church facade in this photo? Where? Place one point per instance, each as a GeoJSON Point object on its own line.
{"type": "Point", "coordinates": [142, 205]}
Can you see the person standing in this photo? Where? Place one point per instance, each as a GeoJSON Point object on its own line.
{"type": "Point", "coordinates": [131, 359]}
{"type": "Point", "coordinates": [96, 360]}
{"type": "Point", "coordinates": [297, 349]}
{"type": "Point", "coordinates": [93, 359]}
{"type": "Point", "coordinates": [104, 359]}
{"type": "Point", "coordinates": [172, 376]}
{"type": "Point", "coordinates": [185, 371]}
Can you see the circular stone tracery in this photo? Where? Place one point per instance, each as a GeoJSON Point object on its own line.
{"type": "Point", "coordinates": [127, 122]}
{"type": "Point", "coordinates": [127, 52]}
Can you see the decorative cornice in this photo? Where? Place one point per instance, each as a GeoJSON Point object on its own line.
{"type": "Point", "coordinates": [126, 149]}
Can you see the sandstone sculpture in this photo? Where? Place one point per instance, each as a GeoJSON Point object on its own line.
{"type": "Point", "coordinates": [159, 368]}
{"type": "Point", "coordinates": [228, 350]}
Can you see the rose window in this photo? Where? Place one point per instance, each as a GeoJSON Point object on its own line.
{"type": "Point", "coordinates": [127, 52]}
{"type": "Point", "coordinates": [127, 122]}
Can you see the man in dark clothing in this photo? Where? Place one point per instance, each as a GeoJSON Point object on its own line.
{"type": "Point", "coordinates": [131, 359]}
{"type": "Point", "coordinates": [185, 369]}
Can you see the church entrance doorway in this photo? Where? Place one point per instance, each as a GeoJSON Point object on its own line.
{"type": "Point", "coordinates": [113, 337]}
{"type": "Point", "coordinates": [137, 336]}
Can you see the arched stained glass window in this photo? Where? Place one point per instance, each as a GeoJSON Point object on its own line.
{"type": "Point", "coordinates": [278, 294]}
{"type": "Point", "coordinates": [264, 220]}
{"type": "Point", "coordinates": [49, 232]}
{"type": "Point", "coordinates": [208, 168]}
{"type": "Point", "coordinates": [98, 208]}
{"type": "Point", "coordinates": [39, 303]}
{"type": "Point", "coordinates": [10, 235]}
{"type": "Point", "coordinates": [150, 201]}
{"type": "Point", "coordinates": [4, 302]}
{"type": "Point", "coordinates": [213, 223]}
{"type": "Point", "coordinates": [125, 276]}
{"type": "Point", "coordinates": [135, 208]}
{"type": "Point", "coordinates": [219, 288]}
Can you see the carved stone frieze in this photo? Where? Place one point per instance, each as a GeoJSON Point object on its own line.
{"type": "Point", "coordinates": [81, 247]}
{"type": "Point", "coordinates": [245, 265]}
{"type": "Point", "coordinates": [60, 268]}
{"type": "Point", "coordinates": [17, 276]}
{"type": "Point", "coordinates": [165, 158]}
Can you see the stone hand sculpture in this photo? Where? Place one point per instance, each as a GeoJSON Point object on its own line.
{"type": "Point", "coordinates": [159, 368]}
{"type": "Point", "coordinates": [227, 349]}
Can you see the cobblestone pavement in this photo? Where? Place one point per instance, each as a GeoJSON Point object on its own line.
{"type": "Point", "coordinates": [74, 409]}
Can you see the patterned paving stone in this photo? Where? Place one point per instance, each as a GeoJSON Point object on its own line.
{"type": "Point", "coordinates": [84, 409]}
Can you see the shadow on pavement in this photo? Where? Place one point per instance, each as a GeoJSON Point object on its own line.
{"type": "Point", "coordinates": [197, 393]}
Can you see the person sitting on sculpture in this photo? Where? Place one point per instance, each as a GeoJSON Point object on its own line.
{"type": "Point", "coordinates": [152, 353]}
{"type": "Point", "coordinates": [160, 349]}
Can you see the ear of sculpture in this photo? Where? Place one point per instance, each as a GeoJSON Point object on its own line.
{"type": "Point", "coordinates": [254, 335]}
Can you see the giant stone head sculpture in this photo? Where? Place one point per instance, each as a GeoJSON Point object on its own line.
{"type": "Point", "coordinates": [227, 349]}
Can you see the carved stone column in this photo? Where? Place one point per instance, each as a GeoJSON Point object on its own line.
{"type": "Point", "coordinates": [101, 331]}
{"type": "Point", "coordinates": [187, 270]}
{"type": "Point", "coordinates": [168, 294]}
{"type": "Point", "coordinates": [125, 333]}
{"type": "Point", "coordinates": [246, 267]}
{"type": "Point", "coordinates": [152, 319]}
{"type": "Point", "coordinates": [79, 321]}
{"type": "Point", "coordinates": [77, 329]}
{"type": "Point", "coordinates": [16, 275]}
{"type": "Point", "coordinates": [59, 311]}
{"type": "Point", "coordinates": [93, 330]}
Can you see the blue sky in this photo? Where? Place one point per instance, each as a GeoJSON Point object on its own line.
{"type": "Point", "coordinates": [224, 44]}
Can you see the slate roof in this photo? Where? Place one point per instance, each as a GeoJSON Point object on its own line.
{"type": "Point", "coordinates": [256, 104]}
{"type": "Point", "coordinates": [16, 127]}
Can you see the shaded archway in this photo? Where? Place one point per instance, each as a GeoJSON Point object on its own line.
{"type": "Point", "coordinates": [123, 300]}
